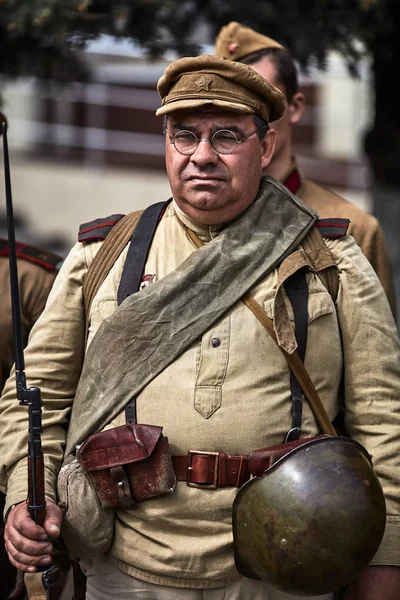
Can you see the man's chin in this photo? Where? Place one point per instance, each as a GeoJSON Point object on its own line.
{"type": "Point", "coordinates": [207, 200]}
{"type": "Point", "coordinates": [204, 211]}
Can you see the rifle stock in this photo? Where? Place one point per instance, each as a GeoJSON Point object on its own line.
{"type": "Point", "coordinates": [36, 495]}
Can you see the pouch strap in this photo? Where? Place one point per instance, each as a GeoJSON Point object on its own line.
{"type": "Point", "coordinates": [79, 580]}
{"type": "Point", "coordinates": [297, 290]}
{"type": "Point", "coordinates": [296, 365]}
{"type": "Point", "coordinates": [123, 487]}
{"type": "Point", "coordinates": [130, 411]}
{"type": "Point", "coordinates": [35, 586]}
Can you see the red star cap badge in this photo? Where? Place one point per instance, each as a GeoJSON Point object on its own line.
{"type": "Point", "coordinates": [203, 83]}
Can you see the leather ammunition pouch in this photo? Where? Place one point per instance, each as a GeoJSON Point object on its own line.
{"type": "Point", "coordinates": [116, 468]}
{"type": "Point", "coordinates": [128, 464]}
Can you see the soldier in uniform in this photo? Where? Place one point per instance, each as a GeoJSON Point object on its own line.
{"type": "Point", "coordinates": [187, 356]}
{"type": "Point", "coordinates": [276, 65]}
{"type": "Point", "coordinates": [37, 269]}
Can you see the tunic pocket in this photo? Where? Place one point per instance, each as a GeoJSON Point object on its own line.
{"type": "Point", "coordinates": [319, 303]}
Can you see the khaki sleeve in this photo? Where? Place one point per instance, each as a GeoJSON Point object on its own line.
{"type": "Point", "coordinates": [371, 351]}
{"type": "Point", "coordinates": [35, 285]}
{"type": "Point", "coordinates": [53, 361]}
{"type": "Point", "coordinates": [375, 249]}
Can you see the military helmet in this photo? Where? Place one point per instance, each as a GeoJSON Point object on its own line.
{"type": "Point", "coordinates": [313, 520]}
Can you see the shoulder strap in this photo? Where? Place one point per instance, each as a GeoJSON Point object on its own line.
{"type": "Point", "coordinates": [39, 256]}
{"type": "Point", "coordinates": [98, 229]}
{"type": "Point", "coordinates": [297, 290]}
{"type": "Point", "coordinates": [139, 249]}
{"type": "Point", "coordinates": [296, 366]}
{"type": "Point", "coordinates": [140, 226]}
{"type": "Point", "coordinates": [322, 260]}
{"type": "Point", "coordinates": [111, 248]}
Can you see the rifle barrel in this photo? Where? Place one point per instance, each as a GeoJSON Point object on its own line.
{"type": "Point", "coordinates": [15, 301]}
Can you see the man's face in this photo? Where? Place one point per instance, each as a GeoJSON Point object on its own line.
{"type": "Point", "coordinates": [282, 127]}
{"type": "Point", "coordinates": [214, 188]}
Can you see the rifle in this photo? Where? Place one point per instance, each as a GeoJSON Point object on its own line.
{"type": "Point", "coordinates": [30, 397]}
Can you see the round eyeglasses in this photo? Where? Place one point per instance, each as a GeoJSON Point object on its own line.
{"type": "Point", "coordinates": [223, 141]}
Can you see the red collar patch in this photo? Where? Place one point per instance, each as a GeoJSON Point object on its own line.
{"type": "Point", "coordinates": [293, 181]}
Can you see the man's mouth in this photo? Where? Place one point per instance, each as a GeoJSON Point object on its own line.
{"type": "Point", "coordinates": [204, 179]}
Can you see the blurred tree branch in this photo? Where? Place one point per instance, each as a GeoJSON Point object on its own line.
{"type": "Point", "coordinates": [36, 33]}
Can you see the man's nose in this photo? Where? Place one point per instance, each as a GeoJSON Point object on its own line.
{"type": "Point", "coordinates": [205, 153]}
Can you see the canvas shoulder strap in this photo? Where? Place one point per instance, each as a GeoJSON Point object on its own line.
{"type": "Point", "coordinates": [109, 251]}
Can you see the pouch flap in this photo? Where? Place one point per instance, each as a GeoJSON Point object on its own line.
{"type": "Point", "coordinates": [260, 460]}
{"type": "Point", "coordinates": [118, 446]}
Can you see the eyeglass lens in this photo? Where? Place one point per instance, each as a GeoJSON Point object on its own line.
{"type": "Point", "coordinates": [223, 141]}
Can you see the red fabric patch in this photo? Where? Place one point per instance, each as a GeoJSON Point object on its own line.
{"type": "Point", "coordinates": [293, 182]}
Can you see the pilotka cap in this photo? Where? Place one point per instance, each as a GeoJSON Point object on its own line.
{"type": "Point", "coordinates": [235, 41]}
{"type": "Point", "coordinates": [190, 83]}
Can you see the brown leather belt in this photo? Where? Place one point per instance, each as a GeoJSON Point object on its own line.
{"type": "Point", "coordinates": [209, 470]}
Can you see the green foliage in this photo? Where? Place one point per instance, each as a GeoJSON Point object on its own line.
{"type": "Point", "coordinates": [37, 36]}
{"type": "Point", "coordinates": [312, 28]}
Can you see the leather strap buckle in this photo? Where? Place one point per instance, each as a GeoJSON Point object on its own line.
{"type": "Point", "coordinates": [207, 486]}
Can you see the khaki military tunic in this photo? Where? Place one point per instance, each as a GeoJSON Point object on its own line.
{"type": "Point", "coordinates": [35, 282]}
{"type": "Point", "coordinates": [233, 396]}
{"type": "Point", "coordinates": [363, 227]}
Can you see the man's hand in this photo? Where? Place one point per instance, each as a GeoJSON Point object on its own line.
{"type": "Point", "coordinates": [375, 583]}
{"type": "Point", "coordinates": [28, 544]}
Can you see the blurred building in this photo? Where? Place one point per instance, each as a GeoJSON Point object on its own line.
{"type": "Point", "coordinates": [87, 150]}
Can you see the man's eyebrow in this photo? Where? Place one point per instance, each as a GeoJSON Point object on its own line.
{"type": "Point", "coordinates": [180, 126]}
{"type": "Point", "coordinates": [233, 128]}
{"type": "Point", "coordinates": [183, 126]}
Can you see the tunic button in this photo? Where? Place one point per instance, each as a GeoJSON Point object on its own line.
{"type": "Point", "coordinates": [215, 342]}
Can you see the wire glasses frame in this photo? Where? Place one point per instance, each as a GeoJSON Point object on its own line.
{"type": "Point", "coordinates": [224, 141]}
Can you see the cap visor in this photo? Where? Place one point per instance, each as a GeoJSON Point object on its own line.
{"type": "Point", "coordinates": [193, 104]}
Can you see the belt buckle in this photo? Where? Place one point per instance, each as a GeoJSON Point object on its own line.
{"type": "Point", "coordinates": [206, 486]}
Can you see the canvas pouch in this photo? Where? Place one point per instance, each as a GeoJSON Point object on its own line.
{"type": "Point", "coordinates": [87, 528]}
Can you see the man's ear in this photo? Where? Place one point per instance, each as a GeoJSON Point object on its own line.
{"type": "Point", "coordinates": [267, 148]}
{"type": "Point", "coordinates": [295, 108]}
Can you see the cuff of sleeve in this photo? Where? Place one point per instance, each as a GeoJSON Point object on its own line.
{"type": "Point", "coordinates": [17, 486]}
{"type": "Point", "coordinates": [389, 550]}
